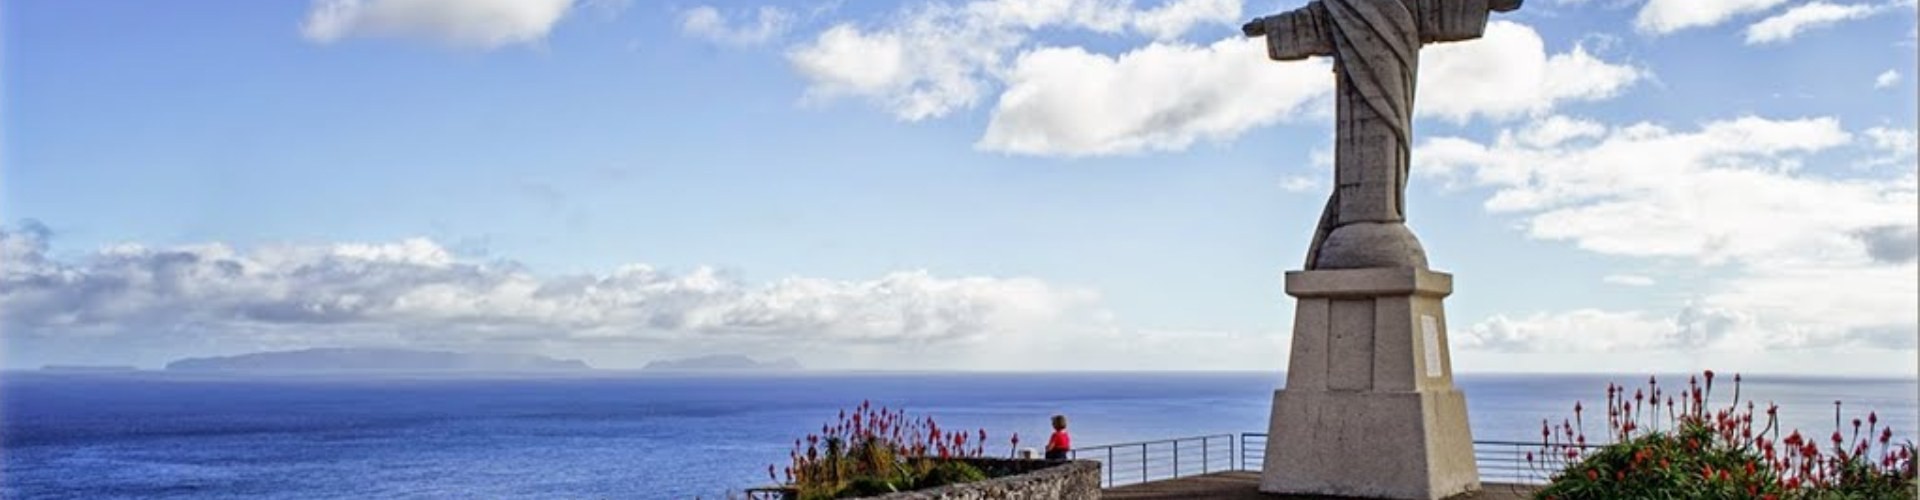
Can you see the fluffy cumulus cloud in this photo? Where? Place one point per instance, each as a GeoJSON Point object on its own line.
{"type": "Point", "coordinates": [1065, 101]}
{"type": "Point", "coordinates": [1668, 16]}
{"type": "Point", "coordinates": [1893, 146]}
{"type": "Point", "coordinates": [1167, 94]}
{"type": "Point", "coordinates": [1583, 330]}
{"type": "Point", "coordinates": [1735, 194]}
{"type": "Point", "coordinates": [934, 58]}
{"type": "Point", "coordinates": [1813, 15]}
{"type": "Point", "coordinates": [710, 24]}
{"type": "Point", "coordinates": [418, 291]}
{"type": "Point", "coordinates": [1508, 73]}
{"type": "Point", "coordinates": [1886, 79]}
{"type": "Point", "coordinates": [1171, 20]}
{"type": "Point", "coordinates": [480, 24]}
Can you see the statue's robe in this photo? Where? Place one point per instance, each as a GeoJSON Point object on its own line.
{"type": "Point", "coordinates": [1376, 50]}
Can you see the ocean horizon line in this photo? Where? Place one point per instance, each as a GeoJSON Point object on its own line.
{"type": "Point", "coordinates": [812, 372]}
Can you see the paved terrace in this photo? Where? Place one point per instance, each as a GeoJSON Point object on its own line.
{"type": "Point", "coordinates": [1246, 485]}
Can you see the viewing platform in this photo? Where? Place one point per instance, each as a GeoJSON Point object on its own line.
{"type": "Point", "coordinates": [1245, 484]}
{"type": "Point", "coordinates": [1227, 466]}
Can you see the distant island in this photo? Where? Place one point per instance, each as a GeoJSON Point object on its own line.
{"type": "Point", "coordinates": [376, 360]}
{"type": "Point", "coordinates": [89, 368]}
{"type": "Point", "coordinates": [723, 362]}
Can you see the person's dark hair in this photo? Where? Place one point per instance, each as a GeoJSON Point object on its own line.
{"type": "Point", "coordinates": [1059, 422]}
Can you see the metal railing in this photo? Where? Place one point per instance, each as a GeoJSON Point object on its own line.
{"type": "Point", "coordinates": [1507, 461]}
{"type": "Point", "coordinates": [767, 493]}
{"type": "Point", "coordinates": [1498, 461]}
{"type": "Point", "coordinates": [1253, 446]}
{"type": "Point", "coordinates": [1131, 463]}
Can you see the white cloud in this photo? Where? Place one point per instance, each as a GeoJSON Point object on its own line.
{"type": "Point", "coordinates": [1170, 19]}
{"type": "Point", "coordinates": [1893, 146]}
{"type": "Point", "coordinates": [1555, 130]}
{"type": "Point", "coordinates": [1813, 258]}
{"type": "Point", "coordinates": [481, 24]}
{"type": "Point", "coordinates": [1069, 102]}
{"type": "Point", "coordinates": [1581, 330]}
{"type": "Point", "coordinates": [709, 24]}
{"type": "Point", "coordinates": [1508, 73]}
{"type": "Point", "coordinates": [1744, 316]}
{"type": "Point", "coordinates": [921, 71]}
{"type": "Point", "coordinates": [1813, 15]}
{"type": "Point", "coordinates": [1628, 280]}
{"type": "Point", "coordinates": [420, 292]}
{"type": "Point", "coordinates": [1174, 18]}
{"type": "Point", "coordinates": [1301, 184]}
{"type": "Point", "coordinates": [1887, 79]}
{"type": "Point", "coordinates": [1667, 16]}
{"type": "Point", "coordinates": [1810, 303]}
{"type": "Point", "coordinates": [134, 302]}
{"type": "Point", "coordinates": [932, 59]}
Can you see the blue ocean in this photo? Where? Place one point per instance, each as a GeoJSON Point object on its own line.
{"type": "Point", "coordinates": [637, 435]}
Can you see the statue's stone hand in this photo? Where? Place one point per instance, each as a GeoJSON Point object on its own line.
{"type": "Point", "coordinates": [1258, 27]}
{"type": "Point", "coordinates": [1503, 5]}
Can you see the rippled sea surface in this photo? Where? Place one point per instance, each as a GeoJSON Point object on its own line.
{"type": "Point", "coordinates": [631, 435]}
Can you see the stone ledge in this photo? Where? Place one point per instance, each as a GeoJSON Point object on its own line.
{"type": "Point", "coordinates": [1373, 282]}
{"type": "Point", "coordinates": [1068, 480]}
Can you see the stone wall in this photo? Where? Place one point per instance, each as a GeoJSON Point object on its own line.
{"type": "Point", "coordinates": [1031, 479]}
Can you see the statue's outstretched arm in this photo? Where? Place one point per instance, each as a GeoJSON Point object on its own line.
{"type": "Point", "coordinates": [1294, 35]}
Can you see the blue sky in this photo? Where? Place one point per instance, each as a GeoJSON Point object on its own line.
{"type": "Point", "coordinates": [1618, 185]}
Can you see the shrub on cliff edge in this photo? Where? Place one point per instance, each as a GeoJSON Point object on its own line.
{"type": "Point", "coordinates": [1676, 446]}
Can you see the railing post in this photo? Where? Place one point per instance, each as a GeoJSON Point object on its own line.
{"type": "Point", "coordinates": [1109, 466]}
{"type": "Point", "coordinates": [1143, 462]}
{"type": "Point", "coordinates": [1176, 458]}
{"type": "Point", "coordinates": [1203, 455]}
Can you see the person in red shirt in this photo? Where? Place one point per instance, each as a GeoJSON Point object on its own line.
{"type": "Point", "coordinates": [1058, 445]}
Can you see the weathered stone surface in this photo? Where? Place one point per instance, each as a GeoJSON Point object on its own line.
{"type": "Point", "coordinates": [1368, 283]}
{"type": "Point", "coordinates": [1350, 337]}
{"type": "Point", "coordinates": [1363, 245]}
{"type": "Point", "coordinates": [1370, 408]}
{"type": "Point", "coordinates": [1308, 369]}
{"type": "Point", "coordinates": [1393, 351]}
{"type": "Point", "coordinates": [1070, 480]}
{"type": "Point", "coordinates": [1376, 49]}
{"type": "Point", "coordinates": [1386, 422]}
{"type": "Point", "coordinates": [1412, 444]}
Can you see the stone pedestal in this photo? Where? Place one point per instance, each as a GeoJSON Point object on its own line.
{"type": "Point", "coordinates": [1370, 409]}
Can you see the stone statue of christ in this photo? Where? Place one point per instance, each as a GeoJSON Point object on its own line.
{"type": "Point", "coordinates": [1375, 46]}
